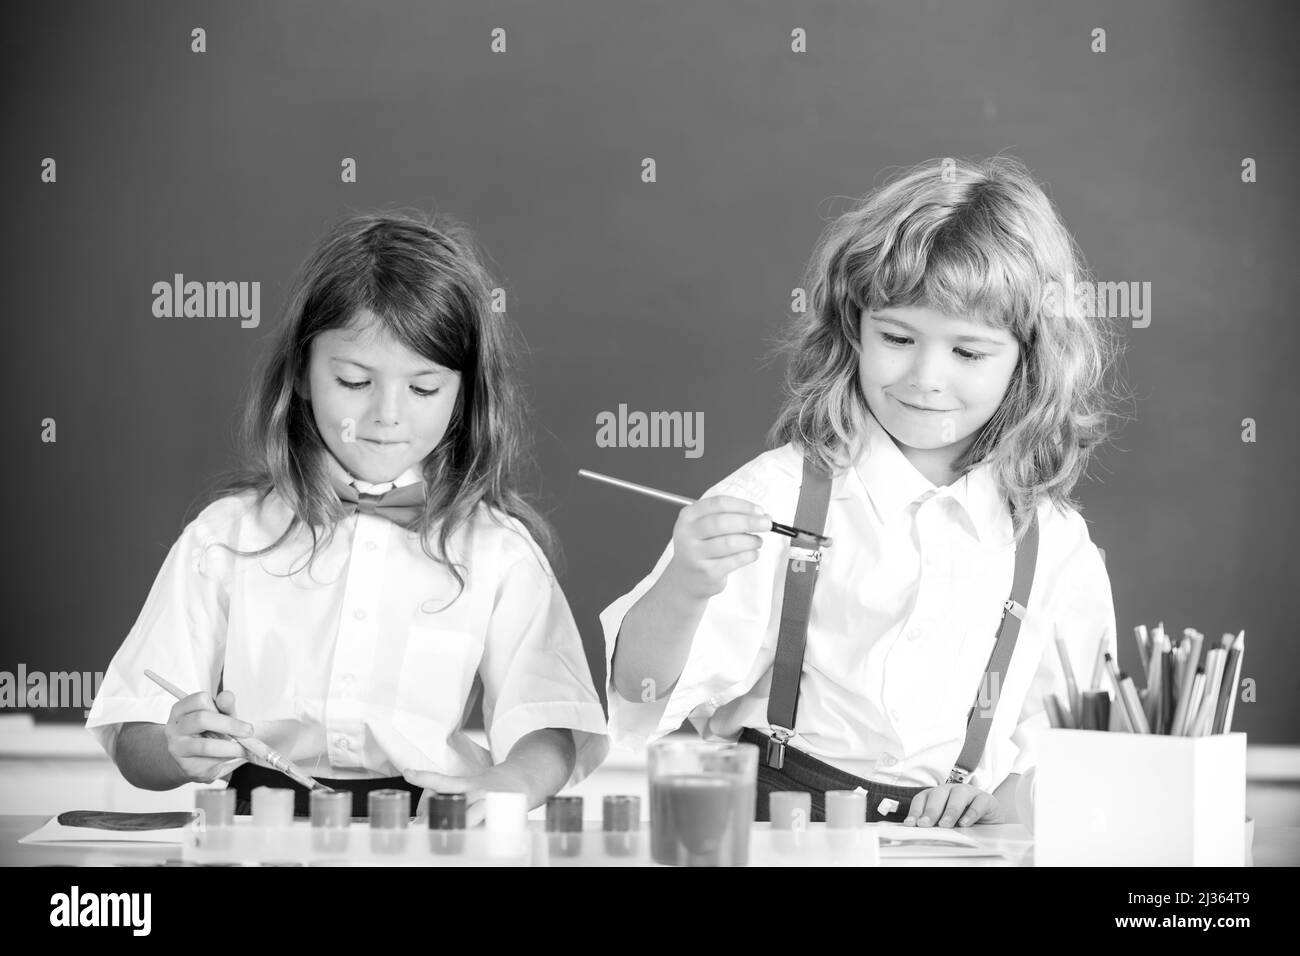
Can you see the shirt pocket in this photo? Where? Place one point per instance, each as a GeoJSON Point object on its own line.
{"type": "Point", "coordinates": [438, 668]}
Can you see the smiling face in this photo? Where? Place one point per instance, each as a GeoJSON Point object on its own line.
{"type": "Point", "coordinates": [394, 404]}
{"type": "Point", "coordinates": [933, 381]}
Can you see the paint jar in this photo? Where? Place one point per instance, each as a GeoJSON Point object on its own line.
{"type": "Point", "coordinates": [215, 809]}
{"type": "Point", "coordinates": [790, 813]}
{"type": "Point", "coordinates": [621, 823]}
{"type": "Point", "coordinates": [390, 817]}
{"type": "Point", "coordinates": [702, 798]}
{"type": "Point", "coordinates": [507, 824]}
{"type": "Point", "coordinates": [447, 823]}
{"type": "Point", "coordinates": [272, 807]}
{"type": "Point", "coordinates": [272, 822]}
{"type": "Point", "coordinates": [564, 825]}
{"type": "Point", "coordinates": [331, 815]}
{"type": "Point", "coordinates": [845, 809]}
{"type": "Point", "coordinates": [216, 805]}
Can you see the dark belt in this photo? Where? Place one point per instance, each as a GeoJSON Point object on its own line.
{"type": "Point", "coordinates": [800, 772]}
{"type": "Point", "coordinates": [246, 778]}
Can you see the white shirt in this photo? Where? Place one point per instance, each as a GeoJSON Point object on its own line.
{"type": "Point", "coordinates": [904, 618]}
{"type": "Point", "coordinates": [354, 669]}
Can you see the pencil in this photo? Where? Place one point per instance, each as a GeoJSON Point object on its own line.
{"type": "Point", "coordinates": [1132, 709]}
{"type": "Point", "coordinates": [1099, 665]}
{"type": "Point", "coordinates": [1129, 694]}
{"type": "Point", "coordinates": [1053, 716]}
{"type": "Point", "coordinates": [1071, 688]}
{"type": "Point", "coordinates": [1228, 686]}
{"type": "Point", "coordinates": [1210, 694]}
{"type": "Point", "coordinates": [1190, 664]}
{"type": "Point", "coordinates": [785, 529]}
{"type": "Point", "coordinates": [1168, 688]}
{"type": "Point", "coordinates": [1058, 715]}
{"type": "Point", "coordinates": [1096, 711]}
{"type": "Point", "coordinates": [252, 745]}
{"type": "Point", "coordinates": [1118, 723]}
{"type": "Point", "coordinates": [1144, 654]}
{"type": "Point", "coordinates": [1238, 648]}
{"type": "Point", "coordinates": [1198, 688]}
{"type": "Point", "coordinates": [1155, 670]}
{"type": "Point", "coordinates": [1101, 709]}
{"type": "Point", "coordinates": [1159, 641]}
{"type": "Point", "coordinates": [1204, 648]}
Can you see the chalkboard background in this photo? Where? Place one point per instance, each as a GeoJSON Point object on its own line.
{"type": "Point", "coordinates": [225, 166]}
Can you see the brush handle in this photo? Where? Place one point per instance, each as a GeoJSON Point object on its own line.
{"type": "Point", "coordinates": [785, 529]}
{"type": "Point", "coordinates": [252, 746]}
{"type": "Point", "coordinates": [639, 489]}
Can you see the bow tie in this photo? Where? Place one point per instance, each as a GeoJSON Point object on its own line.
{"type": "Point", "coordinates": [399, 505]}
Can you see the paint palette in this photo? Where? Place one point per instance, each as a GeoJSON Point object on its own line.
{"type": "Point", "coordinates": [242, 843]}
{"type": "Point", "coordinates": [388, 837]}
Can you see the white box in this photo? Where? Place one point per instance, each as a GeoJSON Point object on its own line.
{"type": "Point", "coordinates": [1121, 799]}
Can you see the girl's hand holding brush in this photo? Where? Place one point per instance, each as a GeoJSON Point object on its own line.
{"type": "Point", "coordinates": [198, 733]}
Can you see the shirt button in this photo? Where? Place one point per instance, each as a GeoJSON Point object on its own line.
{"type": "Point", "coordinates": [341, 743]}
{"type": "Point", "coordinates": [347, 682]}
{"type": "Point", "coordinates": [914, 634]}
{"type": "Point", "coordinates": [888, 760]}
{"type": "Point", "coordinates": [359, 614]}
{"type": "Point", "coordinates": [370, 545]}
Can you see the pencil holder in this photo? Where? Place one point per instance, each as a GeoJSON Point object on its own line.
{"type": "Point", "coordinates": [1120, 799]}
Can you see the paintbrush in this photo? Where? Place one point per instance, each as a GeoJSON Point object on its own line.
{"type": "Point", "coordinates": [785, 529]}
{"type": "Point", "coordinates": [254, 746]}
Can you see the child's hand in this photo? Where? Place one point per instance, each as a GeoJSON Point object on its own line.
{"type": "Point", "coordinates": [712, 538]}
{"type": "Point", "coordinates": [953, 804]}
{"type": "Point", "coordinates": [498, 779]}
{"type": "Point", "coordinates": [197, 734]}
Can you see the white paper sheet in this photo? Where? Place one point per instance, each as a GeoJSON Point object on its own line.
{"type": "Point", "coordinates": [919, 842]}
{"type": "Point", "coordinates": [55, 832]}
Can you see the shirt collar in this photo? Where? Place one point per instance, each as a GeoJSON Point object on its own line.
{"type": "Point", "coordinates": [893, 484]}
{"type": "Point", "coordinates": [408, 477]}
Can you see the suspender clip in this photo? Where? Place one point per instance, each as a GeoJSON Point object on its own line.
{"type": "Point", "coordinates": [776, 747]}
{"type": "Point", "coordinates": [1015, 607]}
{"type": "Point", "coordinates": [800, 557]}
{"type": "Point", "coordinates": [958, 775]}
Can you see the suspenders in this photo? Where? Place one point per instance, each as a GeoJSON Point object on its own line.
{"type": "Point", "coordinates": [800, 580]}
{"type": "Point", "coordinates": [980, 717]}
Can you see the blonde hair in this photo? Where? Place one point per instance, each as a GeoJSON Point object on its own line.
{"type": "Point", "coordinates": [970, 238]}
